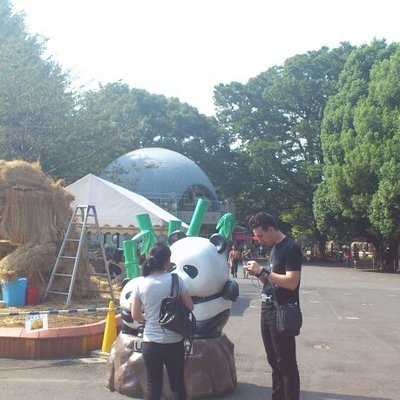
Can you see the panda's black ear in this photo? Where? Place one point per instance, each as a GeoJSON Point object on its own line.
{"type": "Point", "coordinates": [219, 242]}
{"type": "Point", "coordinates": [174, 236]}
{"type": "Point", "coordinates": [124, 282]}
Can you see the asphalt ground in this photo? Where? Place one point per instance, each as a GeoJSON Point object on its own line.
{"type": "Point", "coordinates": [349, 347]}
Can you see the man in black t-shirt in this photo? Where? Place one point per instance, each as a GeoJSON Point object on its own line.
{"type": "Point", "coordinates": [284, 271]}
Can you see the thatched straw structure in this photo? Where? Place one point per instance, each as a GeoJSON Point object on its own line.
{"type": "Point", "coordinates": [34, 215]}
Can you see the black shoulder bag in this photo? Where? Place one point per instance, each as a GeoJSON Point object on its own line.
{"type": "Point", "coordinates": [174, 315]}
{"type": "Point", "coordinates": [289, 318]}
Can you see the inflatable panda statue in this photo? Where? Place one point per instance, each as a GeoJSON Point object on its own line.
{"type": "Point", "coordinates": [202, 264]}
{"type": "Point", "coordinates": [129, 326]}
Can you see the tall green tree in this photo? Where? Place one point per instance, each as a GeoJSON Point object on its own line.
{"type": "Point", "coordinates": [275, 120]}
{"type": "Point", "coordinates": [384, 153]}
{"type": "Point", "coordinates": [35, 105]}
{"type": "Point", "coordinates": [359, 138]}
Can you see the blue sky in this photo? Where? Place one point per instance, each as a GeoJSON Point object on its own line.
{"type": "Point", "coordinates": [183, 48]}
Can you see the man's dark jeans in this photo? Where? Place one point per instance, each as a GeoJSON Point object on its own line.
{"type": "Point", "coordinates": [281, 355]}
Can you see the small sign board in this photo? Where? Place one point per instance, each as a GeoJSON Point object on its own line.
{"type": "Point", "coordinates": [137, 347]}
{"type": "Point", "coordinates": [36, 323]}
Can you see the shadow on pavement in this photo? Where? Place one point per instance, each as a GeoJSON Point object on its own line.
{"type": "Point", "coordinates": [330, 396]}
{"type": "Point", "coordinates": [248, 391]}
{"type": "Point", "coordinates": [240, 305]}
{"type": "Point", "coordinates": [361, 267]}
{"type": "Point", "coordinates": [254, 392]}
{"type": "Point", "coordinates": [31, 365]}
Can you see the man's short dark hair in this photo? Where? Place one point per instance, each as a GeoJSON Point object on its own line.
{"type": "Point", "coordinates": [263, 220]}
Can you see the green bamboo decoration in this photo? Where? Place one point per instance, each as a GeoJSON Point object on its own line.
{"type": "Point", "coordinates": [174, 225]}
{"type": "Point", "coordinates": [132, 269]}
{"type": "Point", "coordinates": [225, 225]}
{"type": "Point", "coordinates": [146, 234]}
{"type": "Point", "coordinates": [197, 218]}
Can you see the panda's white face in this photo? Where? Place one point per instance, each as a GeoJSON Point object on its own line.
{"type": "Point", "coordinates": [198, 262]}
{"type": "Point", "coordinates": [126, 297]}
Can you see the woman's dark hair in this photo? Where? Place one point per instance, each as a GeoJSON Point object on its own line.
{"type": "Point", "coordinates": [159, 254]}
{"type": "Point", "coordinates": [263, 220]}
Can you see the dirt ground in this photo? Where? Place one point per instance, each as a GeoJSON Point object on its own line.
{"type": "Point", "coordinates": [59, 303]}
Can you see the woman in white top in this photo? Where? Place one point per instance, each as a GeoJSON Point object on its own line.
{"type": "Point", "coordinates": [160, 346]}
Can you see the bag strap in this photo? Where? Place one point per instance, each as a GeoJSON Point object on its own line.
{"type": "Point", "coordinates": [174, 286]}
{"type": "Point", "coordinates": [275, 297]}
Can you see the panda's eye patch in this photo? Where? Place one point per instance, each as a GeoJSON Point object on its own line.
{"type": "Point", "coordinates": [128, 295]}
{"type": "Point", "coordinates": [191, 270]}
{"type": "Point", "coordinates": [171, 267]}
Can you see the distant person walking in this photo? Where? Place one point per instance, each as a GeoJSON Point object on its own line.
{"type": "Point", "coordinates": [233, 260]}
{"type": "Point", "coordinates": [347, 257]}
{"type": "Point", "coordinates": [356, 255]}
{"type": "Point", "coordinates": [246, 256]}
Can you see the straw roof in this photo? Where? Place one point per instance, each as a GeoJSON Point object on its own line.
{"type": "Point", "coordinates": [34, 215]}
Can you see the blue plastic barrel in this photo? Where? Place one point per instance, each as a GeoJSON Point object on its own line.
{"type": "Point", "coordinates": [14, 292]}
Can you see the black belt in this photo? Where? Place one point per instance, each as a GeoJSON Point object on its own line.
{"type": "Point", "coordinates": [197, 300]}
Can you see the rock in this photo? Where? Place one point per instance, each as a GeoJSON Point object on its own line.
{"type": "Point", "coordinates": [210, 369]}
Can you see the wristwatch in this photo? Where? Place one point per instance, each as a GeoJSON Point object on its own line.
{"type": "Point", "coordinates": [264, 273]}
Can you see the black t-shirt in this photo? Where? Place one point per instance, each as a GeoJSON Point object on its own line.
{"type": "Point", "coordinates": [285, 256]}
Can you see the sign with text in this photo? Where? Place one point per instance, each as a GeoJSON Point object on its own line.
{"type": "Point", "coordinates": [138, 346]}
{"type": "Point", "coordinates": [36, 323]}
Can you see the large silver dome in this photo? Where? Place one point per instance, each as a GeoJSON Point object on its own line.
{"type": "Point", "coordinates": [161, 174]}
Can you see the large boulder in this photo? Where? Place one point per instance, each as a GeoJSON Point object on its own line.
{"type": "Point", "coordinates": [210, 369]}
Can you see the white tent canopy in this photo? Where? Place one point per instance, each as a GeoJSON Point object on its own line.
{"type": "Point", "coordinates": [116, 206]}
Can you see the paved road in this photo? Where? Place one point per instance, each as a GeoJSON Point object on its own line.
{"type": "Point", "coordinates": [349, 348]}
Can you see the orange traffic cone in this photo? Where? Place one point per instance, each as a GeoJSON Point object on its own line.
{"type": "Point", "coordinates": [110, 332]}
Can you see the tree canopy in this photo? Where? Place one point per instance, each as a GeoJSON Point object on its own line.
{"type": "Point", "coordinates": [72, 134]}
{"type": "Point", "coordinates": [116, 119]}
{"type": "Point", "coordinates": [360, 143]}
{"type": "Point", "coordinates": [314, 141]}
{"type": "Point", "coordinates": [35, 105]}
{"type": "Point", "coordinates": [275, 120]}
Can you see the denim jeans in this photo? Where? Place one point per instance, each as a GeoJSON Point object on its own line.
{"type": "Point", "coordinates": [281, 356]}
{"type": "Point", "coordinates": [234, 268]}
{"type": "Point", "coordinates": [155, 356]}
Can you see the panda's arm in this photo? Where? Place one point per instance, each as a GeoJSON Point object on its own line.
{"type": "Point", "coordinates": [136, 311]}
